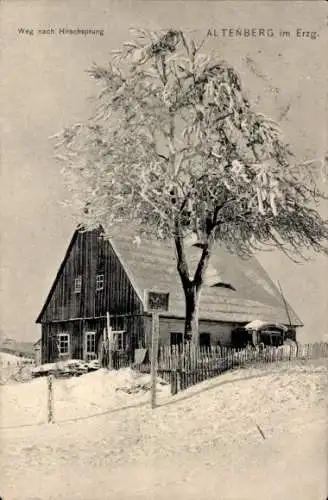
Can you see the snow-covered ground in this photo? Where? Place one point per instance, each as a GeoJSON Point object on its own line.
{"type": "Point", "coordinates": [84, 396]}
{"type": "Point", "coordinates": [249, 434]}
{"type": "Point", "coordinates": [14, 368]}
{"type": "Point", "coordinates": [7, 359]}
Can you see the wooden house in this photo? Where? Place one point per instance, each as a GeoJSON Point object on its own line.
{"type": "Point", "coordinates": [100, 276]}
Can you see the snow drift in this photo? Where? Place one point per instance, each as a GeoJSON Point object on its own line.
{"type": "Point", "coordinates": [245, 435]}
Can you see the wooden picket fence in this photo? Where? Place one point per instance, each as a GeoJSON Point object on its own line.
{"type": "Point", "coordinates": [193, 364]}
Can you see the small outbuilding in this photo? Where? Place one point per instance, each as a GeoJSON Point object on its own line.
{"type": "Point", "coordinates": [37, 352]}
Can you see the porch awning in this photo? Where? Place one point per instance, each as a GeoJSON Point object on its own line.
{"type": "Point", "coordinates": [258, 324]}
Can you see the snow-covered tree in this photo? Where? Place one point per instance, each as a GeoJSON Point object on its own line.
{"type": "Point", "coordinates": [175, 148]}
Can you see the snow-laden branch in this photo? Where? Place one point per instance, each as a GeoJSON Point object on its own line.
{"type": "Point", "coordinates": [173, 135]}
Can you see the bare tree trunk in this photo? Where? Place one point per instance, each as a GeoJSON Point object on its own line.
{"type": "Point", "coordinates": [192, 287]}
{"type": "Point", "coordinates": [192, 298]}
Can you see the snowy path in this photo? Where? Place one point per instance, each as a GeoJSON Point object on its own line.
{"type": "Point", "coordinates": [203, 445]}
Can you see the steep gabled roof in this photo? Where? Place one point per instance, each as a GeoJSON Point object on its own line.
{"type": "Point", "coordinates": [252, 295]}
{"type": "Point", "coordinates": [247, 293]}
{"type": "Point", "coordinates": [59, 272]}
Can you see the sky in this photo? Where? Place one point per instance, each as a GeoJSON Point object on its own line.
{"type": "Point", "coordinates": [45, 87]}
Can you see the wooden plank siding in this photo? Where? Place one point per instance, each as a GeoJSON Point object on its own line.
{"type": "Point", "coordinates": [76, 313]}
{"type": "Point", "coordinates": [128, 271]}
{"type": "Point", "coordinates": [91, 255]}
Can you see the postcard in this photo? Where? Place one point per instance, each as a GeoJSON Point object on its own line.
{"type": "Point", "coordinates": [164, 245]}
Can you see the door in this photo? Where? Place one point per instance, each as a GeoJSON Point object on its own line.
{"type": "Point", "coordinates": [90, 348]}
{"type": "Point", "coordinates": [205, 340]}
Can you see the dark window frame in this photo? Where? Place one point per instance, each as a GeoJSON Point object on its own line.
{"type": "Point", "coordinates": [100, 282]}
{"type": "Point", "coordinates": [120, 340]}
{"type": "Point", "coordinates": [61, 342]}
{"type": "Point", "coordinates": [90, 337]}
{"type": "Point", "coordinates": [78, 284]}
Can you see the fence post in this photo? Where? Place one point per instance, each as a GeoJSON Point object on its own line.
{"type": "Point", "coordinates": [50, 379]}
{"type": "Point", "coordinates": [154, 357]}
{"type": "Point", "coordinates": [109, 342]}
{"type": "Point", "coordinates": [174, 382]}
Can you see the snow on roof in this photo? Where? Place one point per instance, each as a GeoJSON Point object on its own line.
{"type": "Point", "coordinates": [258, 324]}
{"type": "Point", "coordinates": [236, 290]}
{"type": "Point", "coordinates": [252, 295]}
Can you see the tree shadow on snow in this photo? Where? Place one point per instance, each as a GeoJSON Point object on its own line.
{"type": "Point", "coordinates": [178, 399]}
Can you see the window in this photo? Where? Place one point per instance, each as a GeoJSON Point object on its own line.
{"type": "Point", "coordinates": [99, 282]}
{"type": "Point", "coordinates": [90, 345]}
{"type": "Point", "coordinates": [176, 338]}
{"type": "Point", "coordinates": [272, 337]}
{"type": "Point", "coordinates": [205, 340]}
{"type": "Point", "coordinates": [78, 284]}
{"type": "Point", "coordinates": [119, 340]}
{"type": "Point", "coordinates": [63, 343]}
